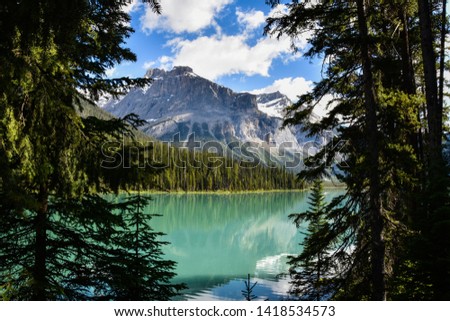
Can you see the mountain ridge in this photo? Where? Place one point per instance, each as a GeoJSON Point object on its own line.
{"type": "Point", "coordinates": [179, 104]}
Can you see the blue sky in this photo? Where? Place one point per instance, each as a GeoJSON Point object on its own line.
{"type": "Point", "coordinates": [222, 40]}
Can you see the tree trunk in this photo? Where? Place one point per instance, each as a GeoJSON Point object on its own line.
{"type": "Point", "coordinates": [409, 87]}
{"type": "Point", "coordinates": [431, 90]}
{"type": "Point", "coordinates": [40, 270]}
{"type": "Point", "coordinates": [319, 266]}
{"type": "Point", "coordinates": [442, 54]}
{"type": "Point", "coordinates": [376, 224]}
{"type": "Point", "coordinates": [437, 186]}
{"type": "Point", "coordinates": [409, 81]}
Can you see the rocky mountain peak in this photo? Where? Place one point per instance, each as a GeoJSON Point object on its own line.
{"type": "Point", "coordinates": [180, 70]}
{"type": "Point", "coordinates": [157, 73]}
{"type": "Point", "coordinates": [265, 98]}
{"type": "Point", "coordinates": [179, 102]}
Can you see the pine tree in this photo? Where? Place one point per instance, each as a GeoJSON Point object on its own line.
{"type": "Point", "coordinates": [376, 58]}
{"type": "Point", "coordinates": [437, 199]}
{"type": "Point", "coordinates": [371, 129]}
{"type": "Point", "coordinates": [309, 273]}
{"type": "Point", "coordinates": [134, 269]}
{"type": "Point", "coordinates": [53, 224]}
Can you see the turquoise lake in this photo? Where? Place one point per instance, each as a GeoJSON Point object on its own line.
{"type": "Point", "coordinates": [218, 239]}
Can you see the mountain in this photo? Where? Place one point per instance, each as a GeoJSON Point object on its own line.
{"type": "Point", "coordinates": [179, 106]}
{"type": "Point", "coordinates": [273, 104]}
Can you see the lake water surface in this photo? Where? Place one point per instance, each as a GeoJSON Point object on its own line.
{"type": "Point", "coordinates": [217, 239]}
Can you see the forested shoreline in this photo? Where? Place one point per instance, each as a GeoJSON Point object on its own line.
{"type": "Point", "coordinates": [217, 173]}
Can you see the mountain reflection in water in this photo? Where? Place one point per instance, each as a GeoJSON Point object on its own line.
{"type": "Point", "coordinates": [217, 239]}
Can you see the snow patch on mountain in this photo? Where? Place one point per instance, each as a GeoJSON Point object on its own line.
{"type": "Point", "coordinates": [273, 104]}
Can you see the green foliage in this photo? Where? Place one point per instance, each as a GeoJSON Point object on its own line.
{"type": "Point", "coordinates": [412, 194]}
{"type": "Point", "coordinates": [58, 236]}
{"type": "Point", "coordinates": [138, 251]}
{"type": "Point", "coordinates": [95, 250]}
{"type": "Point", "coordinates": [195, 171]}
{"type": "Point", "coordinates": [311, 271]}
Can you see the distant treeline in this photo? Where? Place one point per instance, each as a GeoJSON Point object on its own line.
{"type": "Point", "coordinates": [186, 170]}
{"type": "Point", "coordinates": [235, 178]}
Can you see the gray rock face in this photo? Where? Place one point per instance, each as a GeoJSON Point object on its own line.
{"type": "Point", "coordinates": [179, 102]}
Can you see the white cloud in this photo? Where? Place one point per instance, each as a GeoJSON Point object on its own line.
{"type": "Point", "coordinates": [219, 55]}
{"type": "Point", "coordinates": [173, 42]}
{"type": "Point", "coordinates": [291, 87]}
{"type": "Point", "coordinates": [250, 20]}
{"type": "Point", "coordinates": [110, 72]}
{"type": "Point", "coordinates": [163, 62]}
{"type": "Point", "coordinates": [132, 6]}
{"type": "Point", "coordinates": [254, 19]}
{"type": "Point", "coordinates": [183, 15]}
{"type": "Point", "coordinates": [148, 64]}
